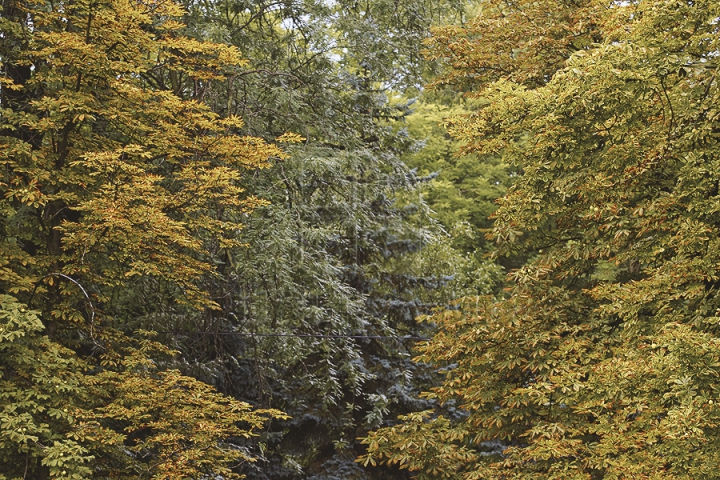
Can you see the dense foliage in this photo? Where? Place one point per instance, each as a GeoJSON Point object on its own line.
{"type": "Point", "coordinates": [113, 174]}
{"type": "Point", "coordinates": [142, 190]}
{"type": "Point", "coordinates": [346, 254]}
{"type": "Point", "coordinates": [601, 360]}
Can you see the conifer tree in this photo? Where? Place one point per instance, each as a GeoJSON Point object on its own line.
{"type": "Point", "coordinates": [339, 253]}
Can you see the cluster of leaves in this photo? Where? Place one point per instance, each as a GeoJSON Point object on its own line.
{"type": "Point", "coordinates": [461, 191]}
{"type": "Point", "coordinates": [112, 172]}
{"type": "Point", "coordinates": [601, 360]}
{"type": "Point", "coordinates": [69, 418]}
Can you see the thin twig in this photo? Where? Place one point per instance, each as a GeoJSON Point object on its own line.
{"type": "Point", "coordinates": [87, 297]}
{"type": "Point", "coordinates": [301, 335]}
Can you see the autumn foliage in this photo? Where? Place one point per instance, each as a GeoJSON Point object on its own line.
{"type": "Point", "coordinates": [125, 174]}
{"type": "Point", "coordinates": [111, 170]}
{"type": "Point", "coordinates": [601, 360]}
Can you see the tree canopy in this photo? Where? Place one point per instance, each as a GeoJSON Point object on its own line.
{"type": "Point", "coordinates": [143, 191]}
{"type": "Point", "coordinates": [215, 212]}
{"type": "Point", "coordinates": [601, 358]}
{"type": "Point", "coordinates": [318, 313]}
{"type": "Point", "coordinates": [113, 173]}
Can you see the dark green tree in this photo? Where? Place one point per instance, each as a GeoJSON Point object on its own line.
{"type": "Point", "coordinates": [345, 247]}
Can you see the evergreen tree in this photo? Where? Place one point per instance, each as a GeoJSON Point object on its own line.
{"type": "Point", "coordinates": [346, 249]}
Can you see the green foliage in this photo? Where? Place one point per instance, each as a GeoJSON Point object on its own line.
{"type": "Point", "coordinates": [326, 269]}
{"type": "Point", "coordinates": [602, 360]}
{"type": "Point", "coordinates": [465, 188]}
{"type": "Point", "coordinates": [321, 69]}
{"type": "Point", "coordinates": [462, 190]}
{"type": "Point", "coordinates": [346, 246]}
{"type": "Point", "coordinates": [41, 384]}
{"type": "Point", "coordinates": [130, 420]}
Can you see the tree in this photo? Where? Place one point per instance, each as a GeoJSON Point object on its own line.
{"type": "Point", "coordinates": [461, 192]}
{"type": "Point", "coordinates": [346, 248]}
{"type": "Point", "coordinates": [129, 420]}
{"type": "Point", "coordinates": [114, 173]}
{"type": "Point", "coordinates": [601, 359]}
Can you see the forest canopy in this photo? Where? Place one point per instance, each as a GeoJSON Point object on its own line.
{"type": "Point", "coordinates": [227, 227]}
{"type": "Point", "coordinates": [205, 206]}
{"type": "Point", "coordinates": [600, 359]}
